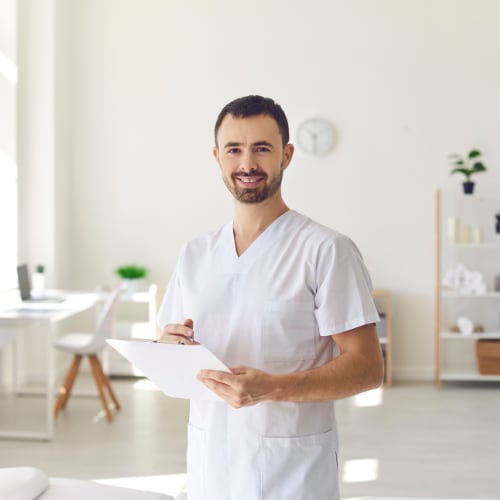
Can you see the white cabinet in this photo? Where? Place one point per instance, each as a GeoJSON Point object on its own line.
{"type": "Point", "coordinates": [467, 264]}
{"type": "Point", "coordinates": [135, 318]}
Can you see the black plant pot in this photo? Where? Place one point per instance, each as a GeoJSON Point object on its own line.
{"type": "Point", "coordinates": [468, 187]}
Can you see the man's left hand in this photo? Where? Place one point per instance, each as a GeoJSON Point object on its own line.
{"type": "Point", "coordinates": [244, 386]}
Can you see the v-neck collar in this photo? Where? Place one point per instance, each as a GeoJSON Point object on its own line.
{"type": "Point", "coordinates": [235, 263]}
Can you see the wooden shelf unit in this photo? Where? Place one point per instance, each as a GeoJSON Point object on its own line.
{"type": "Point", "coordinates": [458, 363]}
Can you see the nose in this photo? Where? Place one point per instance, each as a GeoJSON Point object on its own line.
{"type": "Point", "coordinates": [247, 162]}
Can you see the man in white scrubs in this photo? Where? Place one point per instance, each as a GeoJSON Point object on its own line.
{"type": "Point", "coordinates": [287, 304]}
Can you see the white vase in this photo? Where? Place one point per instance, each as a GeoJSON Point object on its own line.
{"type": "Point", "coordinates": [38, 285]}
{"type": "Point", "coordinates": [129, 287]}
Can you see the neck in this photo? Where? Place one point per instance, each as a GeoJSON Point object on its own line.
{"type": "Point", "coordinates": [251, 220]}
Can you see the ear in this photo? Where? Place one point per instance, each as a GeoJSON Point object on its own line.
{"type": "Point", "coordinates": [287, 154]}
{"type": "Point", "coordinates": [215, 152]}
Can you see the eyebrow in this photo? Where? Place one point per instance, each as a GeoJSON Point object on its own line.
{"type": "Point", "coordinates": [258, 143]}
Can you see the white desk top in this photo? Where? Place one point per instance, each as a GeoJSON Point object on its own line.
{"type": "Point", "coordinates": [14, 312]}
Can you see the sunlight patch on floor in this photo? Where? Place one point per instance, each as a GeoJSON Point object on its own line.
{"type": "Point", "coordinates": [360, 471]}
{"type": "Point", "coordinates": [369, 398]}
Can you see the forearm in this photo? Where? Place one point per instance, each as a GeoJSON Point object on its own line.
{"type": "Point", "coordinates": [349, 374]}
{"type": "Point", "coordinates": [359, 367]}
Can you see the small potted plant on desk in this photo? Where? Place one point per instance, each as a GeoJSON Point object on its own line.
{"type": "Point", "coordinates": [131, 274]}
{"type": "Point", "coordinates": [468, 166]}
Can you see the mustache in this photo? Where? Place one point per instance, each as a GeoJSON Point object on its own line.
{"type": "Point", "coordinates": [252, 173]}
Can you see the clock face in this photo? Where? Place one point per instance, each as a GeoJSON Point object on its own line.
{"type": "Point", "coordinates": [316, 136]}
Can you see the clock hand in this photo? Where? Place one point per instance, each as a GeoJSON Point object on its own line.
{"type": "Point", "coordinates": [314, 138]}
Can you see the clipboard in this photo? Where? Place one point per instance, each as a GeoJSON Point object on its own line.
{"type": "Point", "coordinates": [171, 367]}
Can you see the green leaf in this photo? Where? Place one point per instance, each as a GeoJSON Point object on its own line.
{"type": "Point", "coordinates": [464, 171]}
{"type": "Point", "coordinates": [474, 153]}
{"type": "Point", "coordinates": [131, 272]}
{"type": "Point", "coordinates": [478, 167]}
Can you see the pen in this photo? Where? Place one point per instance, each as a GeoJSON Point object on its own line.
{"type": "Point", "coordinates": [185, 337]}
{"type": "Point", "coordinates": [168, 341]}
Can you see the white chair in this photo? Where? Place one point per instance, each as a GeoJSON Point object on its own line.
{"type": "Point", "coordinates": [90, 344]}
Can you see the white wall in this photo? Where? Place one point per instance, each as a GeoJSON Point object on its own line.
{"type": "Point", "coordinates": [36, 133]}
{"type": "Point", "coordinates": [405, 81]}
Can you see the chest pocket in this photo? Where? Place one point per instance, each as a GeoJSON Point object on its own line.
{"type": "Point", "coordinates": [288, 331]}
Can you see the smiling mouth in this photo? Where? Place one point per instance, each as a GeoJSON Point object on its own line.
{"type": "Point", "coordinates": [249, 180]}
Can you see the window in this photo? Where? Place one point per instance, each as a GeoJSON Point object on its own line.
{"type": "Point", "coordinates": [8, 166]}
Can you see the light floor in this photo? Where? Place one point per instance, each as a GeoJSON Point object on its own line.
{"type": "Point", "coordinates": [412, 440]}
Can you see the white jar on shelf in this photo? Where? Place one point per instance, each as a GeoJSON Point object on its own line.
{"type": "Point", "coordinates": [453, 230]}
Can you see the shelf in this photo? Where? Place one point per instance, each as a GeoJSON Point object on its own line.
{"type": "Point", "coordinates": [456, 217]}
{"type": "Point", "coordinates": [475, 246]}
{"type": "Point", "coordinates": [475, 198]}
{"type": "Point", "coordinates": [471, 376]}
{"type": "Point", "coordinates": [457, 295]}
{"type": "Point", "coordinates": [475, 336]}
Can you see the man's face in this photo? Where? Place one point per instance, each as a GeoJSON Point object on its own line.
{"type": "Point", "coordinates": [252, 157]}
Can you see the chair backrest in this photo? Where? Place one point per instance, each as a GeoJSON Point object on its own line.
{"type": "Point", "coordinates": [105, 322]}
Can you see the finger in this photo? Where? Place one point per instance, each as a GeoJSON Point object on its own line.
{"type": "Point", "coordinates": [183, 339]}
{"type": "Point", "coordinates": [189, 339]}
{"type": "Point", "coordinates": [229, 393]}
{"type": "Point", "coordinates": [173, 331]}
{"type": "Point", "coordinates": [216, 375]}
{"type": "Point", "coordinates": [239, 370]}
{"type": "Point", "coordinates": [217, 383]}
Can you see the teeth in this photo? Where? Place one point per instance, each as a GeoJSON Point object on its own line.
{"type": "Point", "coordinates": [249, 180]}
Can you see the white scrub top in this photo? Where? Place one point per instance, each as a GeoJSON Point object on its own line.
{"type": "Point", "coordinates": [273, 308]}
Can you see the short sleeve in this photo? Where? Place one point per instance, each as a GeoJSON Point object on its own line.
{"type": "Point", "coordinates": [171, 309]}
{"type": "Point", "coordinates": [344, 298]}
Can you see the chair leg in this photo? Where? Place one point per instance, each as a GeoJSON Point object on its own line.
{"type": "Point", "coordinates": [97, 371]}
{"type": "Point", "coordinates": [65, 389]}
{"type": "Point", "coordinates": [107, 384]}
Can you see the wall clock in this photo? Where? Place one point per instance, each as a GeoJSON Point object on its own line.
{"type": "Point", "coordinates": [316, 136]}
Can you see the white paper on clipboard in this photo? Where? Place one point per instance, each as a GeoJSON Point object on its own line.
{"type": "Point", "coordinates": [171, 367]}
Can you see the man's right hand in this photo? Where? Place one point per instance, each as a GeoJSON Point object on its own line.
{"type": "Point", "coordinates": [182, 334]}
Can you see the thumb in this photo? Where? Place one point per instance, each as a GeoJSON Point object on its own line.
{"type": "Point", "coordinates": [189, 323]}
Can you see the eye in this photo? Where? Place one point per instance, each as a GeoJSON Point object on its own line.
{"type": "Point", "coordinates": [262, 149]}
{"type": "Point", "coordinates": [232, 151]}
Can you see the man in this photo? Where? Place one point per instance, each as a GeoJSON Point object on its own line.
{"type": "Point", "coordinates": [287, 304]}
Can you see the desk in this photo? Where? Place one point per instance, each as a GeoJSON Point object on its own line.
{"type": "Point", "coordinates": [16, 316]}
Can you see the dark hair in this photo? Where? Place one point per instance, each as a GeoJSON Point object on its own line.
{"type": "Point", "coordinates": [252, 105]}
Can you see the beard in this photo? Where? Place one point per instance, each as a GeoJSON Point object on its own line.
{"type": "Point", "coordinates": [257, 195]}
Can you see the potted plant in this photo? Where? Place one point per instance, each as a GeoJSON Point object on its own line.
{"type": "Point", "coordinates": [468, 166]}
{"type": "Point", "coordinates": [130, 274]}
